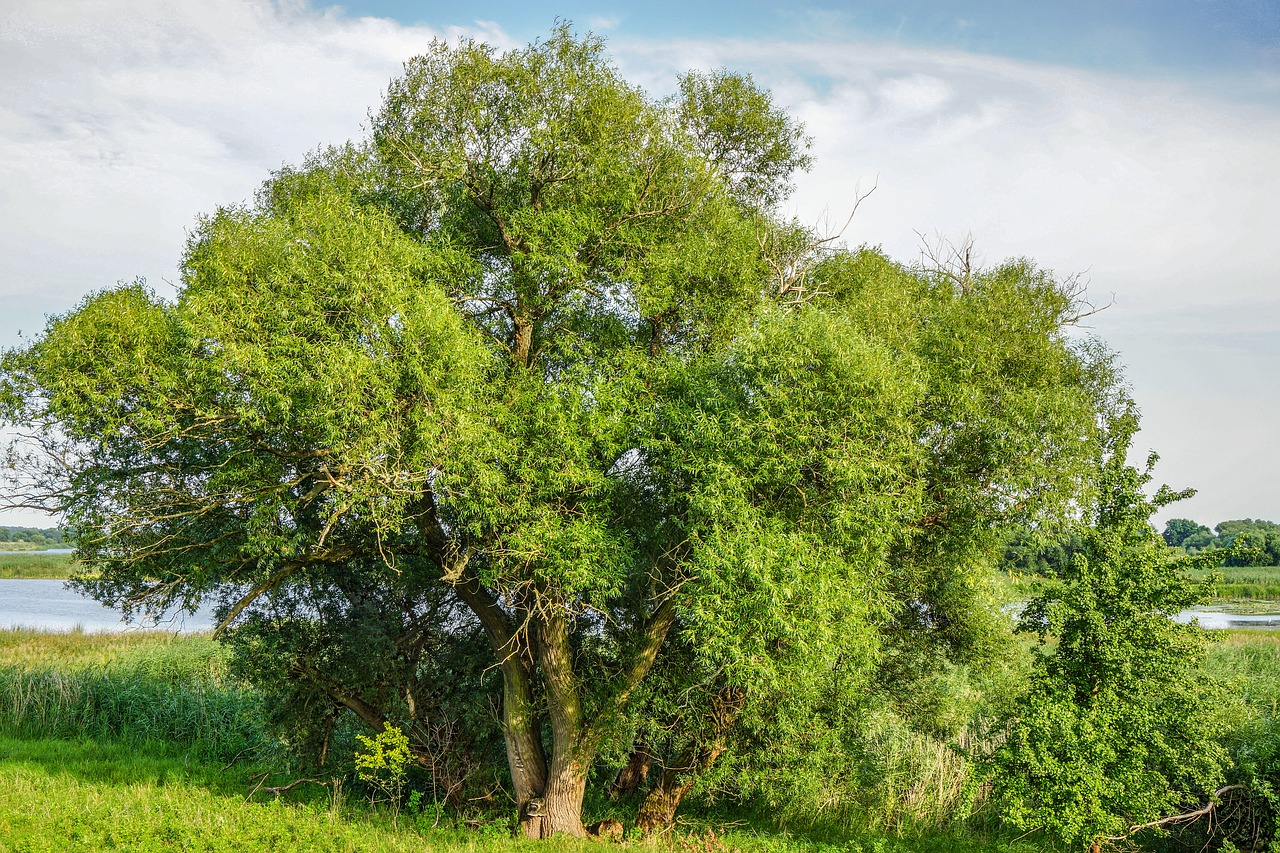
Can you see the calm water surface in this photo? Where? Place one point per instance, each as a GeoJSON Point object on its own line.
{"type": "Point", "coordinates": [49, 606]}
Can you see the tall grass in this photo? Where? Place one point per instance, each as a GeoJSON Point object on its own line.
{"type": "Point", "coordinates": [36, 565]}
{"type": "Point", "coordinates": [128, 688]}
{"type": "Point", "coordinates": [1251, 582]}
{"type": "Point", "coordinates": [30, 648]}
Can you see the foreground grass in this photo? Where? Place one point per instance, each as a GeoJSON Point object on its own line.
{"type": "Point", "coordinates": [35, 566]}
{"type": "Point", "coordinates": [66, 795]}
{"type": "Point", "coordinates": [1249, 662]}
{"type": "Point", "coordinates": [58, 795]}
{"type": "Point", "coordinates": [141, 741]}
{"type": "Point", "coordinates": [131, 688]}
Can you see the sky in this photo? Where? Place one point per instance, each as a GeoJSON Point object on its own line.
{"type": "Point", "coordinates": [1133, 143]}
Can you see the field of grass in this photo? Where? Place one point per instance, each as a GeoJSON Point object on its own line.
{"type": "Point", "coordinates": [86, 796]}
{"type": "Point", "coordinates": [29, 649]}
{"type": "Point", "coordinates": [36, 565]}
{"type": "Point", "coordinates": [58, 795]}
{"type": "Point", "coordinates": [1249, 582]}
{"type": "Point", "coordinates": [141, 741]}
{"type": "Point", "coordinates": [1238, 583]}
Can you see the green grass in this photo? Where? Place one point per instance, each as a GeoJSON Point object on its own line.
{"type": "Point", "coordinates": [1248, 582]}
{"type": "Point", "coordinates": [76, 795]}
{"type": "Point", "coordinates": [36, 565]}
{"type": "Point", "coordinates": [58, 795]}
{"type": "Point", "coordinates": [1249, 662]}
{"type": "Point", "coordinates": [141, 741]}
{"type": "Point", "coordinates": [1238, 583]}
{"type": "Point", "coordinates": [136, 689]}
{"type": "Point", "coordinates": [27, 648]}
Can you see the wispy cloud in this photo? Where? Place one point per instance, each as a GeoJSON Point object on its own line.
{"type": "Point", "coordinates": [1147, 185]}
{"type": "Point", "coordinates": [120, 122]}
{"type": "Point", "coordinates": [602, 23]}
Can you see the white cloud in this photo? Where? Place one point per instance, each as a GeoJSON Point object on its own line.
{"type": "Point", "coordinates": [603, 24]}
{"type": "Point", "coordinates": [1153, 190]}
{"type": "Point", "coordinates": [121, 121]}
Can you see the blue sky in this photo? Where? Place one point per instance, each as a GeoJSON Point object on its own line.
{"type": "Point", "coordinates": [1135, 144]}
{"type": "Point", "coordinates": [1188, 37]}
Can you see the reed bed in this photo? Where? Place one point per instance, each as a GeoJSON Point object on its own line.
{"type": "Point", "coordinates": [36, 565]}
{"type": "Point", "coordinates": [30, 648]}
{"type": "Point", "coordinates": [131, 688]}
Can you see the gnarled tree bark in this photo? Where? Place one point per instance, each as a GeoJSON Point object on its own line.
{"type": "Point", "coordinates": [659, 808]}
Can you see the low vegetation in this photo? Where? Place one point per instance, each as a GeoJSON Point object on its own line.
{"type": "Point", "coordinates": [145, 741]}
{"type": "Point", "coordinates": [36, 565]}
{"type": "Point", "coordinates": [82, 767]}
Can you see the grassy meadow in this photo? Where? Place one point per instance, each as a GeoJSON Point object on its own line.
{"type": "Point", "coordinates": [145, 741]}
{"type": "Point", "coordinates": [35, 565]}
{"type": "Point", "coordinates": [1249, 582]}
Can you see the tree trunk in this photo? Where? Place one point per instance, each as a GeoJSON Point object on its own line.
{"type": "Point", "coordinates": [634, 774]}
{"type": "Point", "coordinates": [571, 751]}
{"type": "Point", "coordinates": [520, 725]}
{"type": "Point", "coordinates": [658, 810]}
{"type": "Point", "coordinates": [525, 756]}
{"type": "Point", "coordinates": [562, 803]}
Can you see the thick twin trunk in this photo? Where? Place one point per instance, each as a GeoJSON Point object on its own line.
{"type": "Point", "coordinates": [571, 751]}
{"type": "Point", "coordinates": [525, 755]}
{"type": "Point", "coordinates": [549, 794]}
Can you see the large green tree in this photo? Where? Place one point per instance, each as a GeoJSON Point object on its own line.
{"type": "Point", "coordinates": [536, 381]}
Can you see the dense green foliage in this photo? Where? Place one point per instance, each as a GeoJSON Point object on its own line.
{"type": "Point", "coordinates": [36, 536]}
{"type": "Point", "coordinates": [1119, 724]}
{"type": "Point", "coordinates": [1249, 542]}
{"type": "Point", "coordinates": [527, 426]}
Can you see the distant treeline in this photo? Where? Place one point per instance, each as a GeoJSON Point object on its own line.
{"type": "Point", "coordinates": [1253, 542]}
{"type": "Point", "coordinates": [1245, 542]}
{"type": "Point", "coordinates": [36, 535]}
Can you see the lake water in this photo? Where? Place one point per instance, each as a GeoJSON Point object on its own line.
{"type": "Point", "coordinates": [46, 551]}
{"type": "Point", "coordinates": [49, 606]}
{"type": "Point", "coordinates": [1212, 617]}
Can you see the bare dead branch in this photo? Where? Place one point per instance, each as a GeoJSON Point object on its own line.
{"type": "Point", "coordinates": [1185, 817]}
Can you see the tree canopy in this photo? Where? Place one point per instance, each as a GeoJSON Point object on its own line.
{"type": "Point", "coordinates": [1243, 541]}
{"type": "Point", "coordinates": [536, 383]}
